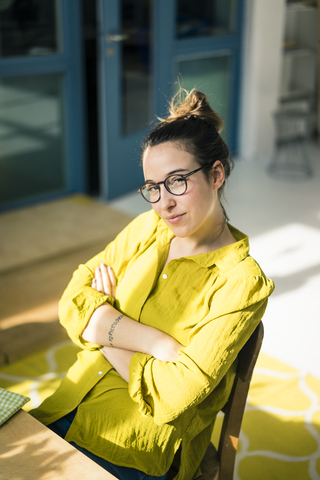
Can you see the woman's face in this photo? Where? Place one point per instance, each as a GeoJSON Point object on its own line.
{"type": "Point", "coordinates": [192, 214]}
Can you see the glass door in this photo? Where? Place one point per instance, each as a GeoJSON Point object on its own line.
{"type": "Point", "coordinates": [126, 84]}
{"type": "Point", "coordinates": [146, 48]}
{"type": "Point", "coordinates": [41, 152]}
{"type": "Point", "coordinates": [207, 55]}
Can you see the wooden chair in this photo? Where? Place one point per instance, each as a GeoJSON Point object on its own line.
{"type": "Point", "coordinates": [219, 465]}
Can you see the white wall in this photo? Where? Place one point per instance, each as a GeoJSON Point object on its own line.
{"type": "Point", "coordinates": [263, 38]}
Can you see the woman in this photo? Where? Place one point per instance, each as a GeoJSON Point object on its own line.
{"type": "Point", "coordinates": [161, 313]}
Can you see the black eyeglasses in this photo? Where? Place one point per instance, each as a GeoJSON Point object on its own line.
{"type": "Point", "coordinates": [175, 184]}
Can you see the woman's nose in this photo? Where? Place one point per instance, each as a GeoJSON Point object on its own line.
{"type": "Point", "coordinates": [167, 199]}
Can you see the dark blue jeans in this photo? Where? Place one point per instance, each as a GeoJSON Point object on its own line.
{"type": "Point", "coordinates": [61, 426]}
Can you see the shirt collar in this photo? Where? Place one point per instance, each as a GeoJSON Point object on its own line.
{"type": "Point", "coordinates": [224, 258]}
{"type": "Point", "coordinates": [227, 257]}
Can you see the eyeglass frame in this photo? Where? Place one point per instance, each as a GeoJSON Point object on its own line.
{"type": "Point", "coordinates": [184, 176]}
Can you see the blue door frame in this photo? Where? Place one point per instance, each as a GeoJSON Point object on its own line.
{"type": "Point", "coordinates": [170, 48]}
{"type": "Point", "coordinates": [69, 64]}
{"type": "Point", "coordinates": [119, 155]}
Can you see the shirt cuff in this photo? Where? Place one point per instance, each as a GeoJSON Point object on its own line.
{"type": "Point", "coordinates": [86, 303]}
{"type": "Point", "coordinates": [136, 389]}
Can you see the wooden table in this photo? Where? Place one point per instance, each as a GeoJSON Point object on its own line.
{"type": "Point", "coordinates": [31, 451]}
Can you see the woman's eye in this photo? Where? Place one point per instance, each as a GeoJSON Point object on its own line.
{"type": "Point", "coordinates": [152, 188]}
{"type": "Point", "coordinates": [176, 181]}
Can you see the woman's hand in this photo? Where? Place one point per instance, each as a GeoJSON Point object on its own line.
{"type": "Point", "coordinates": [105, 281]}
{"type": "Point", "coordinates": [120, 358]}
{"type": "Point", "coordinates": [167, 349]}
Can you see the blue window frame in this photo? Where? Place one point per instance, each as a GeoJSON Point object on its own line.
{"type": "Point", "coordinates": [42, 116]}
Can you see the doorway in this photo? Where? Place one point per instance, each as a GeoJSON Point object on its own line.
{"type": "Point", "coordinates": [135, 51]}
{"type": "Point", "coordinates": [144, 48]}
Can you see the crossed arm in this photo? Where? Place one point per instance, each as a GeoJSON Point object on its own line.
{"type": "Point", "coordinates": [121, 336]}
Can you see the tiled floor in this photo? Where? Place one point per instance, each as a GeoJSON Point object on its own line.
{"type": "Point", "coordinates": [282, 218]}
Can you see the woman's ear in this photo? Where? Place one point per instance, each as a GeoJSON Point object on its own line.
{"type": "Point", "coordinates": [217, 173]}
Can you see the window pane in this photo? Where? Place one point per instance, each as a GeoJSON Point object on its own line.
{"type": "Point", "coordinates": [32, 160]}
{"type": "Point", "coordinates": [210, 75]}
{"type": "Point", "coordinates": [205, 18]}
{"type": "Point", "coordinates": [29, 27]}
{"type": "Point", "coordinates": [136, 71]}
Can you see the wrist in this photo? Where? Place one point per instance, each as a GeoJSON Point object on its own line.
{"type": "Point", "coordinates": [165, 348]}
{"type": "Point", "coordinates": [157, 343]}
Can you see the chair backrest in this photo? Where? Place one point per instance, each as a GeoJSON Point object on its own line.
{"type": "Point", "coordinates": [234, 408]}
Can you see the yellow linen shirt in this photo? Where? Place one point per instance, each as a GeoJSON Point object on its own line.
{"type": "Point", "coordinates": [210, 303]}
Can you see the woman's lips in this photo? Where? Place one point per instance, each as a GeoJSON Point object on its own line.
{"type": "Point", "coordinates": [175, 219]}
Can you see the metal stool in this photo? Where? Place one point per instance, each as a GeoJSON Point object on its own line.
{"type": "Point", "coordinates": [293, 131]}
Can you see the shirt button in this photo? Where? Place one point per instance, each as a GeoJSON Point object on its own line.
{"type": "Point", "coordinates": [164, 276]}
{"type": "Point", "coordinates": [100, 373]}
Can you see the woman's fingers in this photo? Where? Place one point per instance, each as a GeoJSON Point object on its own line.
{"type": "Point", "coordinates": [113, 282]}
{"type": "Point", "coordinates": [105, 280]}
{"type": "Point", "coordinates": [99, 281]}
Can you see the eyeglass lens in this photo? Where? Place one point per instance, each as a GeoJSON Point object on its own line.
{"type": "Point", "coordinates": [174, 184]}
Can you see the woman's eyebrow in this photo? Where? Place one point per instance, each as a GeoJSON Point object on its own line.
{"type": "Point", "coordinates": [178, 170]}
{"type": "Point", "coordinates": [170, 173]}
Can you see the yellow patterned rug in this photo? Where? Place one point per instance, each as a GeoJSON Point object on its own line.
{"type": "Point", "coordinates": [280, 437]}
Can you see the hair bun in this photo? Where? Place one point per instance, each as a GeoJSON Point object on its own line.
{"type": "Point", "coordinates": [193, 104]}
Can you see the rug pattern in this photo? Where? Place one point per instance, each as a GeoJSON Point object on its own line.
{"type": "Point", "coordinates": [280, 436]}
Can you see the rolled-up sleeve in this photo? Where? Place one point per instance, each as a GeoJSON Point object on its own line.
{"type": "Point", "coordinates": [79, 300]}
{"type": "Point", "coordinates": [78, 303]}
{"type": "Point", "coordinates": [164, 390]}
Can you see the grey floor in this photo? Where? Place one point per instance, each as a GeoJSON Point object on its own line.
{"type": "Point", "coordinates": [281, 215]}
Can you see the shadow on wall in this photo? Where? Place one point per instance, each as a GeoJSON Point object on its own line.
{"type": "Point", "coordinates": [295, 280]}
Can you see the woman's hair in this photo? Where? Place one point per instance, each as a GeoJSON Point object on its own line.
{"type": "Point", "coordinates": [195, 127]}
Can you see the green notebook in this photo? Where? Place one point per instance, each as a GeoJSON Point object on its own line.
{"type": "Point", "coordinates": [10, 403]}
